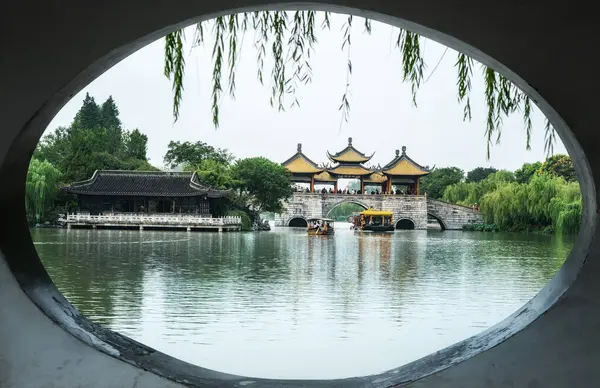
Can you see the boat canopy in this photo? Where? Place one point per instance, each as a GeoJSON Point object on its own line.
{"type": "Point", "coordinates": [321, 219]}
{"type": "Point", "coordinates": [372, 212]}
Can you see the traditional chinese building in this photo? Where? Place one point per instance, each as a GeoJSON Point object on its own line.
{"type": "Point", "coordinates": [349, 163]}
{"type": "Point", "coordinates": [402, 170]}
{"type": "Point", "coordinates": [150, 192]}
{"type": "Point", "coordinates": [303, 169]}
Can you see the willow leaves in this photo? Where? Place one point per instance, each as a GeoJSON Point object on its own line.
{"type": "Point", "coordinates": [290, 38]}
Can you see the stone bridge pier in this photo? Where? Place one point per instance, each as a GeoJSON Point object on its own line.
{"type": "Point", "coordinates": [414, 208]}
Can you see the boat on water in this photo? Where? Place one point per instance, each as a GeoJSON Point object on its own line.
{"type": "Point", "coordinates": [320, 227]}
{"type": "Point", "coordinates": [373, 220]}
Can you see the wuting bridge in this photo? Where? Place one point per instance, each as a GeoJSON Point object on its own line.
{"type": "Point", "coordinates": [394, 187]}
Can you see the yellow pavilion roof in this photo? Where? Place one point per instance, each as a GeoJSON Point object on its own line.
{"type": "Point", "coordinates": [376, 177]}
{"type": "Point", "coordinates": [349, 155]}
{"type": "Point", "coordinates": [301, 164]}
{"type": "Point", "coordinates": [403, 165]}
{"type": "Point", "coordinates": [373, 212]}
{"type": "Point", "coordinates": [325, 177]}
{"type": "Point", "coordinates": [350, 170]}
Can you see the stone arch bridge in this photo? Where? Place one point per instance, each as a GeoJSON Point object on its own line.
{"type": "Point", "coordinates": [415, 208]}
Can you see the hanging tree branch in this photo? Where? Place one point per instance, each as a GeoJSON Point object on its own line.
{"type": "Point", "coordinates": [465, 71]}
{"type": "Point", "coordinates": [502, 97]}
{"type": "Point", "coordinates": [347, 43]}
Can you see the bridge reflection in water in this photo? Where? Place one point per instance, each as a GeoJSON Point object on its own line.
{"type": "Point", "coordinates": [212, 299]}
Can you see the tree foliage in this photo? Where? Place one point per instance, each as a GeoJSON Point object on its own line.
{"type": "Point", "coordinates": [109, 115]}
{"type": "Point", "coordinates": [436, 182]}
{"type": "Point", "coordinates": [191, 155]}
{"type": "Point", "coordinates": [136, 144]}
{"type": "Point", "coordinates": [480, 173]}
{"type": "Point", "coordinates": [291, 37]}
{"type": "Point", "coordinates": [560, 165]}
{"type": "Point", "coordinates": [469, 193]}
{"type": "Point", "coordinates": [267, 184]}
{"type": "Point", "coordinates": [216, 174]}
{"type": "Point", "coordinates": [41, 188]}
{"type": "Point", "coordinates": [541, 201]}
{"type": "Point", "coordinates": [526, 172]}
{"type": "Point", "coordinates": [94, 141]}
{"type": "Point", "coordinates": [89, 115]}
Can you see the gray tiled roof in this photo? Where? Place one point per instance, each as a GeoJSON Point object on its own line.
{"type": "Point", "coordinates": [143, 183]}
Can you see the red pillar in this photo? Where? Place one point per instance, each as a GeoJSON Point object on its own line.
{"type": "Point", "coordinates": [312, 184]}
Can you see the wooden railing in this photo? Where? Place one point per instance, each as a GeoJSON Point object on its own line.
{"type": "Point", "coordinates": [152, 219]}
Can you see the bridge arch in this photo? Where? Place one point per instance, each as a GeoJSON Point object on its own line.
{"type": "Point", "coordinates": [298, 222]}
{"type": "Point", "coordinates": [405, 223]}
{"type": "Point", "coordinates": [438, 219]}
{"type": "Point", "coordinates": [328, 208]}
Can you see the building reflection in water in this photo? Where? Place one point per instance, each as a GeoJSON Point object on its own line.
{"type": "Point", "coordinates": [307, 306]}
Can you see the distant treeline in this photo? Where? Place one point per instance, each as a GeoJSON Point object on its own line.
{"type": "Point", "coordinates": [542, 196]}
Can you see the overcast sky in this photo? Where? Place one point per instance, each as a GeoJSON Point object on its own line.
{"type": "Point", "coordinates": [382, 117]}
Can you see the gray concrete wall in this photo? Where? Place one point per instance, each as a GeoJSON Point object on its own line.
{"type": "Point", "coordinates": [51, 50]}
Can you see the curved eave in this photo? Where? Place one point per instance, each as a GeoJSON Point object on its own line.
{"type": "Point", "coordinates": [388, 168]}
{"type": "Point", "coordinates": [206, 190]}
{"type": "Point", "coordinates": [325, 176]}
{"type": "Point", "coordinates": [338, 158]}
{"type": "Point", "coordinates": [378, 179]}
{"type": "Point", "coordinates": [131, 194]}
{"type": "Point", "coordinates": [359, 171]}
{"type": "Point", "coordinates": [304, 172]}
{"type": "Point", "coordinates": [218, 193]}
{"type": "Point", "coordinates": [313, 168]}
{"type": "Point", "coordinates": [396, 175]}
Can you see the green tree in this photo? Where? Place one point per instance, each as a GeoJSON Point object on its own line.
{"type": "Point", "coordinates": [469, 193]}
{"type": "Point", "coordinates": [94, 141]}
{"type": "Point", "coordinates": [192, 154]}
{"type": "Point", "coordinates": [436, 182]}
{"type": "Point", "coordinates": [298, 31]}
{"type": "Point", "coordinates": [215, 174]}
{"type": "Point", "coordinates": [54, 146]}
{"type": "Point", "coordinates": [89, 115]}
{"type": "Point", "coordinates": [479, 173]}
{"type": "Point", "coordinates": [526, 172]}
{"type": "Point", "coordinates": [560, 165]}
{"type": "Point", "coordinates": [83, 158]}
{"type": "Point", "coordinates": [109, 116]}
{"type": "Point", "coordinates": [41, 189]}
{"type": "Point", "coordinates": [267, 184]}
{"type": "Point", "coordinates": [546, 201]}
{"type": "Point", "coordinates": [111, 123]}
{"type": "Point", "coordinates": [136, 144]}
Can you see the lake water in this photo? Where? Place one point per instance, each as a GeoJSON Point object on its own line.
{"type": "Point", "coordinates": [281, 304]}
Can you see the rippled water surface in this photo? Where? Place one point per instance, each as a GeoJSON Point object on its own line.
{"type": "Point", "coordinates": [283, 304]}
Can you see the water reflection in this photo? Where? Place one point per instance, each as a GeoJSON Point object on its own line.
{"type": "Point", "coordinates": [283, 304]}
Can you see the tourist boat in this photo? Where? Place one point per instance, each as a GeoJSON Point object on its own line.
{"type": "Point", "coordinates": [374, 221]}
{"type": "Point", "coordinates": [320, 227]}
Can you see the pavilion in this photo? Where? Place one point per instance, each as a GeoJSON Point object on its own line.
{"type": "Point", "coordinates": [349, 163]}
{"type": "Point", "coordinates": [150, 192]}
